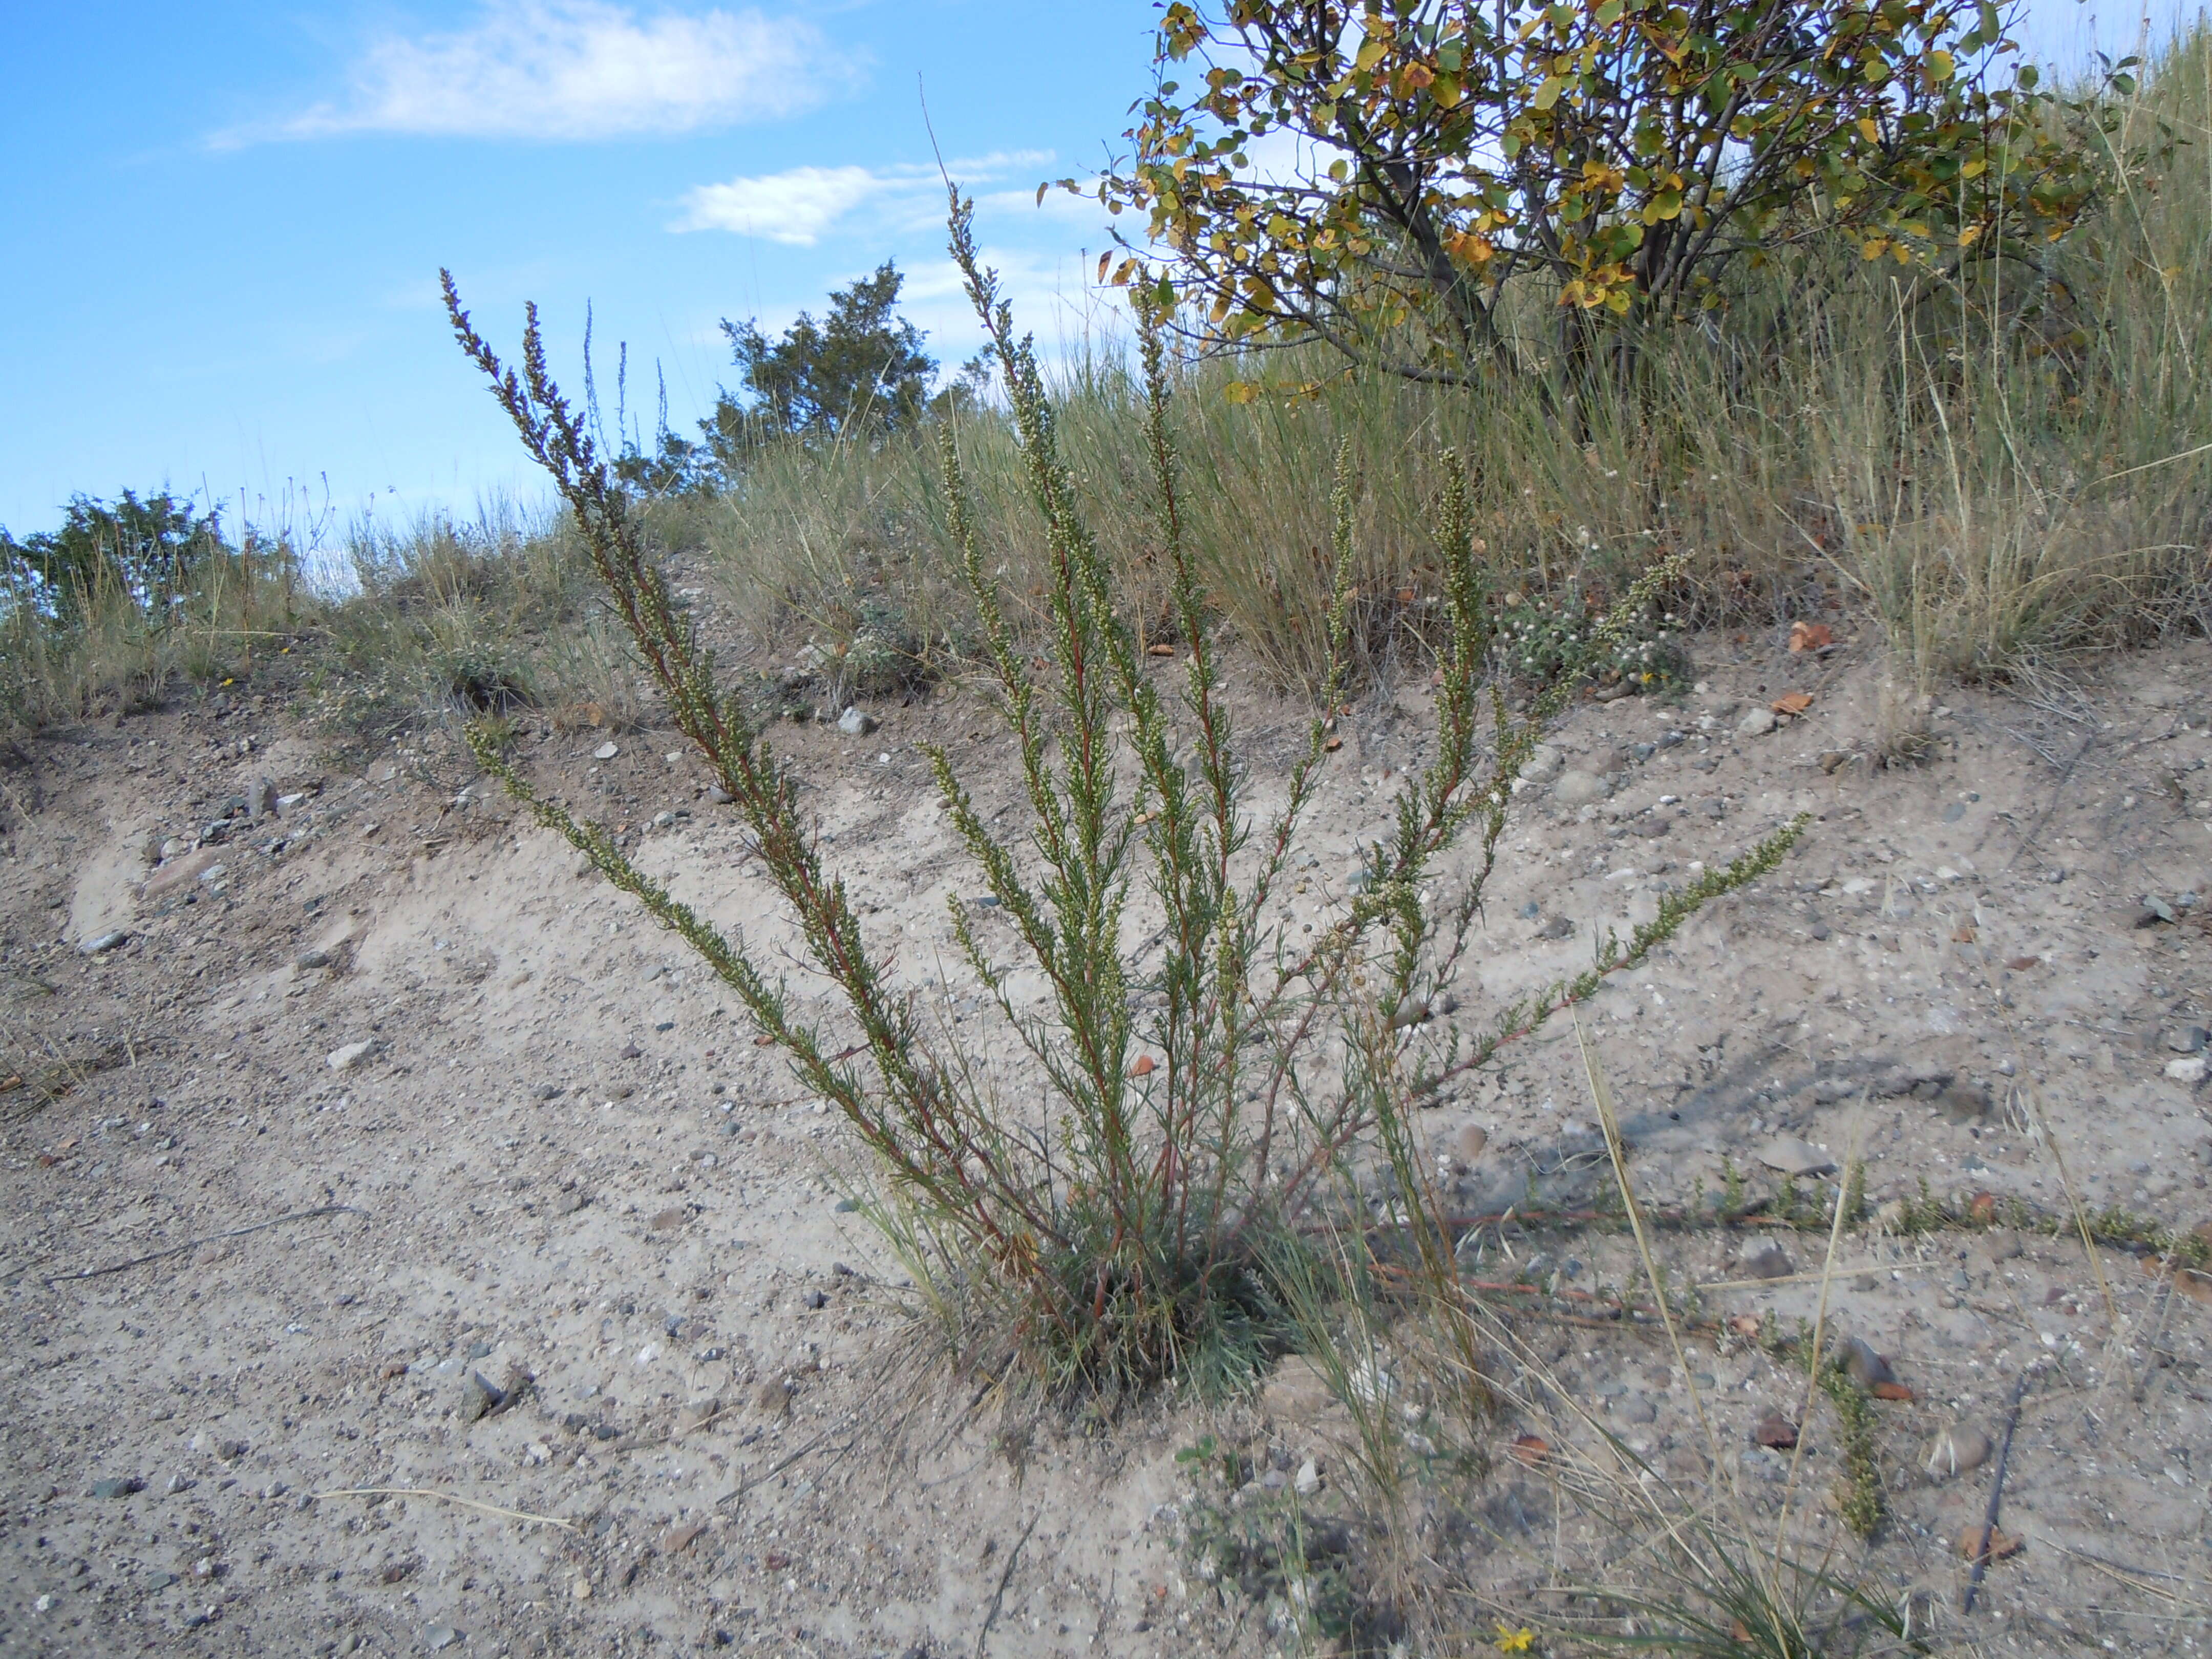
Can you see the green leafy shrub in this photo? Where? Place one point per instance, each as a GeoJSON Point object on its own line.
{"type": "Point", "coordinates": [1546, 641]}
{"type": "Point", "coordinates": [1612, 160]}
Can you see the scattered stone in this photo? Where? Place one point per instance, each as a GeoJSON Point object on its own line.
{"type": "Point", "coordinates": [569, 1202]}
{"type": "Point", "coordinates": [352, 1055]}
{"type": "Point", "coordinates": [606, 751]}
{"type": "Point", "coordinates": [2002, 1244]}
{"type": "Point", "coordinates": [1467, 1142]}
{"type": "Point", "coordinates": [122, 1485]}
{"type": "Point", "coordinates": [1543, 763]}
{"type": "Point", "coordinates": [102, 943]}
{"type": "Point", "coordinates": [773, 1397]}
{"type": "Point", "coordinates": [856, 722]}
{"type": "Point", "coordinates": [2192, 1070]}
{"type": "Point", "coordinates": [1557, 927]}
{"type": "Point", "coordinates": [1654, 825]}
{"type": "Point", "coordinates": [1580, 789]}
{"type": "Point", "coordinates": [171, 849]}
{"type": "Point", "coordinates": [308, 961]}
{"type": "Point", "coordinates": [1964, 1102]}
{"type": "Point", "coordinates": [1636, 1408]}
{"type": "Point", "coordinates": [480, 1397]}
{"type": "Point", "coordinates": [1955, 1450]}
{"type": "Point", "coordinates": [1775, 1432]}
{"type": "Point", "coordinates": [1792, 1157]}
{"type": "Point", "coordinates": [580, 1590]}
{"type": "Point", "coordinates": [439, 1636]}
{"type": "Point", "coordinates": [698, 1414]}
{"type": "Point", "coordinates": [180, 874]}
{"type": "Point", "coordinates": [261, 802]}
{"type": "Point", "coordinates": [1772, 1262]}
{"type": "Point", "coordinates": [1757, 723]}
{"type": "Point", "coordinates": [669, 1220]}
{"type": "Point", "coordinates": [817, 1300]}
{"type": "Point", "coordinates": [2186, 1039]}
{"type": "Point", "coordinates": [678, 1539]}
{"type": "Point", "coordinates": [1863, 1365]}
{"type": "Point", "coordinates": [627, 1051]}
{"type": "Point", "coordinates": [1833, 762]}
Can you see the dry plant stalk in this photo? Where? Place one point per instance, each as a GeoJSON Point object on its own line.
{"type": "Point", "coordinates": [1119, 1232]}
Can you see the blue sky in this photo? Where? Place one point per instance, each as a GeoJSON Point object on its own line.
{"type": "Point", "coordinates": [225, 220]}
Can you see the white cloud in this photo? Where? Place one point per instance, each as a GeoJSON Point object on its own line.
{"type": "Point", "coordinates": [800, 206]}
{"type": "Point", "coordinates": [573, 69]}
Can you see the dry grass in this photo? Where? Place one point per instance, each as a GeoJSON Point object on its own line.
{"type": "Point", "coordinates": [1999, 471]}
{"type": "Point", "coordinates": [1999, 474]}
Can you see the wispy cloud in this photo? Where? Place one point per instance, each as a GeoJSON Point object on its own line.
{"type": "Point", "coordinates": [565, 69]}
{"type": "Point", "coordinates": [800, 206]}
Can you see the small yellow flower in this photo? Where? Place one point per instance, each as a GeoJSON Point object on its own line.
{"type": "Point", "coordinates": [230, 682]}
{"type": "Point", "coordinates": [1514, 1641]}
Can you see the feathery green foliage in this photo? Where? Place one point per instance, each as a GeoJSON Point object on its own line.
{"type": "Point", "coordinates": [1120, 1234]}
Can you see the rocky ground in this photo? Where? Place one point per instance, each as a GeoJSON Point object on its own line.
{"type": "Point", "coordinates": [358, 1141]}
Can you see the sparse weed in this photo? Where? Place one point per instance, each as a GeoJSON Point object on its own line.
{"type": "Point", "coordinates": [1198, 1102]}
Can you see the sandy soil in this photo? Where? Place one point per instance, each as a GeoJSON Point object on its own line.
{"type": "Point", "coordinates": [563, 1165]}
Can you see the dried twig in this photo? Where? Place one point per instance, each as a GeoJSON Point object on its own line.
{"type": "Point", "coordinates": [1988, 1538]}
{"type": "Point", "coordinates": [1814, 1278]}
{"type": "Point", "coordinates": [194, 1244]}
{"type": "Point", "coordinates": [444, 1497]}
{"type": "Point", "coordinates": [998, 1596]}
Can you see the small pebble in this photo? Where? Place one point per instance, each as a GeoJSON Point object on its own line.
{"type": "Point", "coordinates": [1772, 1262]}
{"type": "Point", "coordinates": [1793, 1157]}
{"type": "Point", "coordinates": [1863, 1365]}
{"type": "Point", "coordinates": [1775, 1432]}
{"type": "Point", "coordinates": [480, 1397]}
{"type": "Point", "coordinates": [606, 751]}
{"type": "Point", "coordinates": [1955, 1450]}
{"type": "Point", "coordinates": [352, 1055]}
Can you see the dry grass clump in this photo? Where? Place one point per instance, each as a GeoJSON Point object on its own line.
{"type": "Point", "coordinates": [2000, 468]}
{"type": "Point", "coordinates": [116, 654]}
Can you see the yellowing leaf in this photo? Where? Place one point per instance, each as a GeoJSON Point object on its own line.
{"type": "Point", "coordinates": [1868, 130]}
{"type": "Point", "coordinates": [1239, 392]}
{"type": "Point", "coordinates": [1548, 93]}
